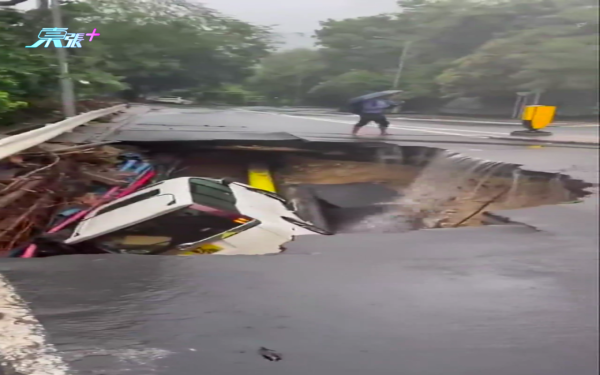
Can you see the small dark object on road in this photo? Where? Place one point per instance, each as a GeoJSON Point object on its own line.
{"type": "Point", "coordinates": [269, 354]}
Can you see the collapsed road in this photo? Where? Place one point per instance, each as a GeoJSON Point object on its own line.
{"type": "Point", "coordinates": [381, 295]}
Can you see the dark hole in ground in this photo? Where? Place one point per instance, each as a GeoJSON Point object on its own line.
{"type": "Point", "coordinates": [353, 187]}
{"type": "Point", "coordinates": [345, 206]}
{"type": "Point", "coordinates": [378, 187]}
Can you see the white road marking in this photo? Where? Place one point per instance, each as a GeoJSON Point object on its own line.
{"type": "Point", "coordinates": [453, 129]}
{"type": "Point", "coordinates": [420, 130]}
{"type": "Point", "coordinates": [480, 134]}
{"type": "Point", "coordinates": [23, 342]}
{"type": "Point", "coordinates": [428, 129]}
{"type": "Point", "coordinates": [443, 129]}
{"type": "Point", "coordinates": [458, 121]}
{"type": "Point", "coordinates": [437, 132]}
{"type": "Point", "coordinates": [440, 120]}
{"type": "Point", "coordinates": [559, 125]}
{"type": "Point", "coordinates": [580, 126]}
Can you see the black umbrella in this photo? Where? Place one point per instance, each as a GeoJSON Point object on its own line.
{"type": "Point", "coordinates": [374, 95]}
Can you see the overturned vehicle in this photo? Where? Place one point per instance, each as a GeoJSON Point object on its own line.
{"type": "Point", "coordinates": [188, 216]}
{"type": "Point", "coordinates": [229, 199]}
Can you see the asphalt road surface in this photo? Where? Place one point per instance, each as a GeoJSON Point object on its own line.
{"type": "Point", "coordinates": [485, 126]}
{"type": "Point", "coordinates": [517, 299]}
{"type": "Point", "coordinates": [175, 123]}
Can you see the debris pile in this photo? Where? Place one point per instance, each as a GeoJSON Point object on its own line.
{"type": "Point", "coordinates": [37, 184]}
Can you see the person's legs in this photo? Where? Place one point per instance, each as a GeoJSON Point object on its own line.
{"type": "Point", "coordinates": [364, 120]}
{"type": "Point", "coordinates": [383, 123]}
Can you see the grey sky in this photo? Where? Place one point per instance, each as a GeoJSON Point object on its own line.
{"type": "Point", "coordinates": [291, 16]}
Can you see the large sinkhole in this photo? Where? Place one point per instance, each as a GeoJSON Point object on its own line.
{"type": "Point", "coordinates": [376, 187]}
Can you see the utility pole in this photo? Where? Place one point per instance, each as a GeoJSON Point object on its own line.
{"type": "Point", "coordinates": [66, 84]}
{"type": "Point", "coordinates": [401, 65]}
{"type": "Point", "coordinates": [299, 83]}
{"type": "Point", "coordinates": [537, 95]}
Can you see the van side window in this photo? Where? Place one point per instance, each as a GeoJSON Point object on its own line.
{"type": "Point", "coordinates": [162, 233]}
{"type": "Point", "coordinates": [212, 194]}
{"type": "Point", "coordinates": [127, 202]}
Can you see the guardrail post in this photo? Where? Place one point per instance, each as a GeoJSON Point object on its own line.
{"type": "Point", "coordinates": [20, 142]}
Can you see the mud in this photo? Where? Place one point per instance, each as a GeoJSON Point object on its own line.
{"type": "Point", "coordinates": [306, 170]}
{"type": "Point", "coordinates": [212, 165]}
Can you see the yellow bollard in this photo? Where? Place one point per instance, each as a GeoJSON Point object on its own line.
{"type": "Point", "coordinates": [260, 177]}
{"type": "Point", "coordinates": [535, 118]}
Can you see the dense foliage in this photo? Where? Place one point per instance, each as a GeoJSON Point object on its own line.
{"type": "Point", "coordinates": [150, 46]}
{"type": "Point", "coordinates": [459, 48]}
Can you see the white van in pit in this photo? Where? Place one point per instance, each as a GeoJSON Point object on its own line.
{"type": "Point", "coordinates": [192, 215]}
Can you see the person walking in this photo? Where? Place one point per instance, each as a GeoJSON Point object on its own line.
{"type": "Point", "coordinates": [373, 110]}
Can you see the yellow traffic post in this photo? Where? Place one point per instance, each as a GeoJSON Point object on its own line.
{"type": "Point", "coordinates": [260, 177]}
{"type": "Point", "coordinates": [535, 118]}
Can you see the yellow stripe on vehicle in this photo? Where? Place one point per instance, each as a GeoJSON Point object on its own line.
{"type": "Point", "coordinates": [259, 177]}
{"type": "Point", "coordinates": [204, 249]}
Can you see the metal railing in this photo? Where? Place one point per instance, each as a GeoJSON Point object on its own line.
{"type": "Point", "coordinates": [14, 144]}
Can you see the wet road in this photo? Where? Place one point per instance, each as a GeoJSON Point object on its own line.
{"type": "Point", "coordinates": [514, 299]}
{"type": "Point", "coordinates": [467, 126]}
{"type": "Point", "coordinates": [166, 123]}
{"type": "Point", "coordinates": [204, 124]}
{"type": "Point", "coordinates": [458, 302]}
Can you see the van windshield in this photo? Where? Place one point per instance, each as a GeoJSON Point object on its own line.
{"type": "Point", "coordinates": [212, 194]}
{"type": "Point", "coordinates": [164, 233]}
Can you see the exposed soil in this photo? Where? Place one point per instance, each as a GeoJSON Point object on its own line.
{"type": "Point", "coordinates": [212, 165]}
{"type": "Point", "coordinates": [302, 169]}
{"type": "Point", "coordinates": [462, 200]}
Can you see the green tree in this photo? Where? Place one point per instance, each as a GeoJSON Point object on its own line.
{"type": "Point", "coordinates": [472, 48]}
{"type": "Point", "coordinates": [160, 45]}
{"type": "Point", "coordinates": [148, 46]}
{"type": "Point", "coordinates": [286, 77]}
{"type": "Point", "coordinates": [25, 75]}
{"type": "Point", "coordinates": [337, 90]}
{"type": "Point", "coordinates": [365, 43]}
{"type": "Point", "coordinates": [558, 50]}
